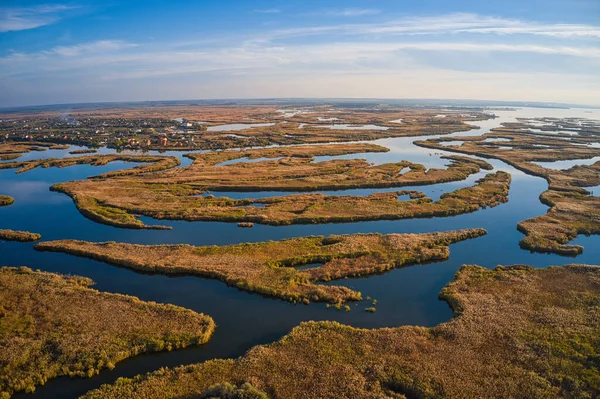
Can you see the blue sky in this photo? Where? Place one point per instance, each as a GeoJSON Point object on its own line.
{"type": "Point", "coordinates": [113, 50]}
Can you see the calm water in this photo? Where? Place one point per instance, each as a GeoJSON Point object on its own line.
{"type": "Point", "coordinates": [404, 296]}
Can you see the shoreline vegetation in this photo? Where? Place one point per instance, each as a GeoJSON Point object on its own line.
{"type": "Point", "coordinates": [53, 325]}
{"type": "Point", "coordinates": [5, 200]}
{"type": "Point", "coordinates": [269, 268]}
{"type": "Point", "coordinates": [167, 202]}
{"type": "Point", "coordinates": [83, 151]}
{"type": "Point", "coordinates": [572, 210]}
{"type": "Point", "coordinates": [154, 163]}
{"type": "Point", "coordinates": [22, 236]}
{"type": "Point", "coordinates": [518, 332]}
{"type": "Point", "coordinates": [181, 193]}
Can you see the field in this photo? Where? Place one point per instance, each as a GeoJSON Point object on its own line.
{"type": "Point", "coordinates": [518, 332]}
{"type": "Point", "coordinates": [53, 325]}
{"type": "Point", "coordinates": [269, 268]}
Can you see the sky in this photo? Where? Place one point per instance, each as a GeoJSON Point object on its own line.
{"type": "Point", "coordinates": [75, 51]}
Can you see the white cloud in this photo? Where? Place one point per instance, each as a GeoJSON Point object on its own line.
{"type": "Point", "coordinates": [15, 19]}
{"type": "Point", "coordinates": [90, 48]}
{"type": "Point", "coordinates": [446, 25]}
{"type": "Point", "coordinates": [357, 60]}
{"type": "Point", "coordinates": [269, 11]}
{"type": "Point", "coordinates": [351, 12]}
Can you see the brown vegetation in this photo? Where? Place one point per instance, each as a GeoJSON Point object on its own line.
{"type": "Point", "coordinates": [518, 333]}
{"type": "Point", "coordinates": [156, 163]}
{"type": "Point", "coordinates": [143, 126]}
{"type": "Point", "coordinates": [23, 236]}
{"type": "Point", "coordinates": [53, 325]}
{"type": "Point", "coordinates": [114, 203]}
{"type": "Point", "coordinates": [5, 200]}
{"type": "Point", "coordinates": [83, 151]}
{"type": "Point", "coordinates": [572, 210]}
{"type": "Point", "coordinates": [174, 194]}
{"type": "Point", "coordinates": [268, 267]}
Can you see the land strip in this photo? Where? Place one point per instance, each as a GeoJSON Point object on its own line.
{"type": "Point", "coordinates": [53, 325]}
{"type": "Point", "coordinates": [5, 200]}
{"type": "Point", "coordinates": [178, 193]}
{"type": "Point", "coordinates": [22, 236]}
{"type": "Point", "coordinates": [268, 268]}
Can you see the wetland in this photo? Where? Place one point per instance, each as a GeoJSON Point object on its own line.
{"type": "Point", "coordinates": [379, 275]}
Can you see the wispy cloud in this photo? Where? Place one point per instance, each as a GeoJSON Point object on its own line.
{"type": "Point", "coordinates": [16, 19]}
{"type": "Point", "coordinates": [420, 53]}
{"type": "Point", "coordinates": [455, 23]}
{"type": "Point", "coordinates": [269, 11]}
{"type": "Point", "coordinates": [90, 48]}
{"type": "Point", "coordinates": [351, 12]}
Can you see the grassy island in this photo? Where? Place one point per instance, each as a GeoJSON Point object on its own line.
{"type": "Point", "coordinates": [5, 200]}
{"type": "Point", "coordinates": [155, 163]}
{"type": "Point", "coordinates": [163, 202]}
{"type": "Point", "coordinates": [176, 194]}
{"type": "Point", "coordinates": [23, 236]}
{"type": "Point", "coordinates": [83, 151]}
{"type": "Point", "coordinates": [268, 268]}
{"type": "Point", "coordinates": [572, 210]}
{"type": "Point", "coordinates": [518, 332]}
{"type": "Point", "coordinates": [53, 325]}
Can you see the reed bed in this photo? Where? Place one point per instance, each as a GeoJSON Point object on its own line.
{"type": "Point", "coordinates": [518, 332]}
{"type": "Point", "coordinates": [22, 236]}
{"type": "Point", "coordinates": [267, 268]}
{"type": "Point", "coordinates": [572, 210]}
{"type": "Point", "coordinates": [53, 325]}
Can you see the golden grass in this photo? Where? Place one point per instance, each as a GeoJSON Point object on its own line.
{"type": "Point", "coordinates": [53, 325]}
{"type": "Point", "coordinates": [155, 163]}
{"type": "Point", "coordinates": [572, 211]}
{"type": "Point", "coordinates": [173, 194]}
{"type": "Point", "coordinates": [268, 267]}
{"type": "Point", "coordinates": [114, 203]}
{"type": "Point", "coordinates": [5, 200]}
{"type": "Point", "coordinates": [518, 333]}
{"type": "Point", "coordinates": [23, 236]}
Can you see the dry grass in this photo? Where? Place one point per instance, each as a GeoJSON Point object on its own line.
{"type": "Point", "coordinates": [113, 203]}
{"type": "Point", "coordinates": [268, 267]}
{"type": "Point", "coordinates": [5, 200]}
{"type": "Point", "coordinates": [23, 236]}
{"type": "Point", "coordinates": [53, 325]}
{"type": "Point", "coordinates": [173, 194]}
{"type": "Point", "coordinates": [518, 333]}
{"type": "Point", "coordinates": [572, 211]}
{"type": "Point", "coordinates": [155, 163]}
{"type": "Point", "coordinates": [14, 150]}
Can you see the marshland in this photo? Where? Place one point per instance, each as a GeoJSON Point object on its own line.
{"type": "Point", "coordinates": [54, 325]}
{"type": "Point", "coordinates": [405, 296]}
